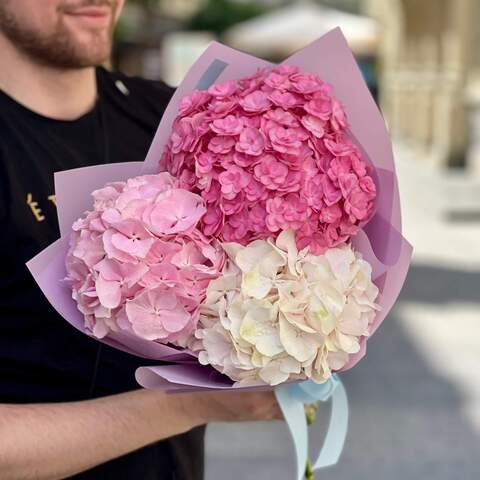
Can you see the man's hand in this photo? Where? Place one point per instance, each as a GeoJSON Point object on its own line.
{"type": "Point", "coordinates": [233, 406]}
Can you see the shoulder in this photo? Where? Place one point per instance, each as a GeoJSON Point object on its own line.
{"type": "Point", "coordinates": [139, 92]}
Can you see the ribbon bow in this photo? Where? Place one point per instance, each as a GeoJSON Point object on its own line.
{"type": "Point", "coordinates": [292, 397]}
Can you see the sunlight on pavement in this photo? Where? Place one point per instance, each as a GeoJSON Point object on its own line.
{"type": "Point", "coordinates": [447, 338]}
{"type": "Point", "coordinates": [429, 197]}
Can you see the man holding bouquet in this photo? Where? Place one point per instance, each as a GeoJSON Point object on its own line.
{"type": "Point", "coordinates": [70, 406]}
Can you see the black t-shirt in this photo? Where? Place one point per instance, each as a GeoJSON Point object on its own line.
{"type": "Point", "coordinates": [42, 357]}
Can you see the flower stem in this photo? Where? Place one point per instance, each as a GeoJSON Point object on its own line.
{"type": "Point", "coordinates": [309, 475]}
{"type": "Point", "coordinates": [311, 414]}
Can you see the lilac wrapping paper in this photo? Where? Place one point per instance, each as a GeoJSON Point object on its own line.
{"type": "Point", "coordinates": [380, 241]}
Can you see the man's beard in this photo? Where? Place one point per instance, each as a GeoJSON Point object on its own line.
{"type": "Point", "coordinates": [58, 48]}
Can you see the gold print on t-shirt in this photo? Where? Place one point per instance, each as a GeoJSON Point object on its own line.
{"type": "Point", "coordinates": [36, 210]}
{"type": "Point", "coordinates": [53, 199]}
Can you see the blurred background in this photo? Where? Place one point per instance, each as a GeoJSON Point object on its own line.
{"type": "Point", "coordinates": [415, 399]}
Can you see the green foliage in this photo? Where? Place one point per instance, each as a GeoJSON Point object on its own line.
{"type": "Point", "coordinates": [218, 15]}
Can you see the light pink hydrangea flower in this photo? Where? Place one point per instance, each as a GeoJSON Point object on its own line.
{"type": "Point", "coordinates": [138, 262]}
{"type": "Point", "coordinates": [158, 314]}
{"type": "Point", "coordinates": [269, 152]}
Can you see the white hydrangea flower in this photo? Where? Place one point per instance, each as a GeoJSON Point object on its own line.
{"type": "Point", "coordinates": [277, 314]}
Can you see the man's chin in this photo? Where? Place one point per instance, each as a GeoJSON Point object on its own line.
{"type": "Point", "coordinates": [87, 50]}
{"type": "Point", "coordinates": [75, 58]}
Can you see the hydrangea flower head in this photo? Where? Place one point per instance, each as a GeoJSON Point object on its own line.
{"type": "Point", "coordinates": [138, 262]}
{"type": "Point", "coordinates": [278, 314]}
{"type": "Point", "coordinates": [269, 153]}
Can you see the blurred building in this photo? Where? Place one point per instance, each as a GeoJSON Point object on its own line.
{"type": "Point", "coordinates": [281, 31]}
{"type": "Point", "coordinates": [422, 54]}
{"type": "Point", "coordinates": [429, 86]}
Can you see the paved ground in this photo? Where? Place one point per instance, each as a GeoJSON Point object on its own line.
{"type": "Point", "coordinates": [415, 399]}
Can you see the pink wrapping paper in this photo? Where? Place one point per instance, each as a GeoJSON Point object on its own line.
{"type": "Point", "coordinates": [380, 241]}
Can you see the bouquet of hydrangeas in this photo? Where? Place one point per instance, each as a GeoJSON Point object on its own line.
{"type": "Point", "coordinates": [258, 245]}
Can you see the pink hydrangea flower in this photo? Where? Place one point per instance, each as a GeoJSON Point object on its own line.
{"type": "Point", "coordinates": [173, 212]}
{"type": "Point", "coordinates": [158, 315]}
{"type": "Point", "coordinates": [221, 144]}
{"type": "Point", "coordinates": [347, 182]}
{"type": "Point", "coordinates": [271, 172]}
{"type": "Point", "coordinates": [339, 147]}
{"type": "Point", "coordinates": [131, 237]}
{"type": "Point", "coordinates": [212, 221]}
{"type": "Point", "coordinates": [229, 125]}
{"type": "Point", "coordinates": [243, 160]}
{"type": "Point", "coordinates": [233, 181]}
{"type": "Point", "coordinates": [282, 117]}
{"type": "Point", "coordinates": [313, 192]}
{"type": "Point", "coordinates": [314, 124]}
{"type": "Point", "coordinates": [252, 121]}
{"type": "Point", "coordinates": [116, 279]}
{"type": "Point", "coordinates": [224, 90]}
{"type": "Point", "coordinates": [87, 247]}
{"type": "Point", "coordinates": [139, 262]}
{"type": "Point", "coordinates": [255, 191]}
{"type": "Point", "coordinates": [257, 217]}
{"type": "Point", "coordinates": [237, 227]}
{"type": "Point", "coordinates": [255, 102]}
{"type": "Point", "coordinates": [338, 119]}
{"type": "Point", "coordinates": [251, 142]}
{"type": "Point", "coordinates": [359, 166]}
{"type": "Point", "coordinates": [368, 186]}
{"type": "Point", "coordinates": [357, 204]}
{"type": "Point", "coordinates": [285, 99]}
{"type": "Point", "coordinates": [269, 152]}
{"type": "Point", "coordinates": [193, 102]}
{"type": "Point", "coordinates": [278, 81]}
{"type": "Point", "coordinates": [232, 206]}
{"type": "Point", "coordinates": [339, 166]}
{"type": "Point", "coordinates": [220, 108]}
{"type": "Point", "coordinates": [106, 196]}
{"type": "Point", "coordinates": [305, 83]}
{"type": "Point", "coordinates": [290, 212]}
{"type": "Point", "coordinates": [293, 182]}
{"type": "Point", "coordinates": [187, 132]}
{"type": "Point", "coordinates": [330, 214]}
{"type": "Point", "coordinates": [204, 163]}
{"type": "Point", "coordinates": [320, 106]}
{"type": "Point", "coordinates": [287, 140]}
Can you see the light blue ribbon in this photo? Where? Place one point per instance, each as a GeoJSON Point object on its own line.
{"type": "Point", "coordinates": [292, 397]}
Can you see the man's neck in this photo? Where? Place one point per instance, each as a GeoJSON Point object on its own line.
{"type": "Point", "coordinates": [52, 92]}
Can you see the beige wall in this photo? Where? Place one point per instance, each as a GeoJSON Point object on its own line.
{"type": "Point", "coordinates": [427, 61]}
